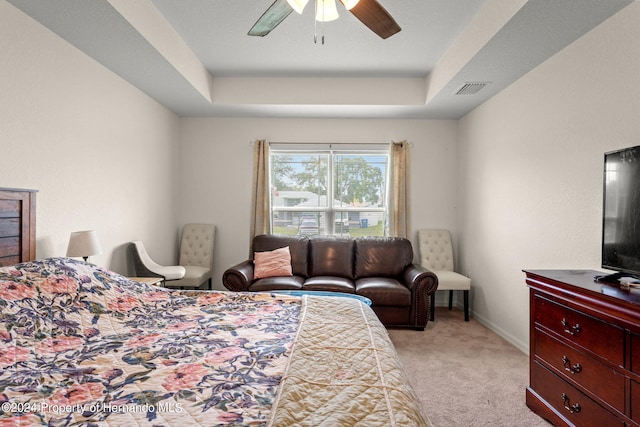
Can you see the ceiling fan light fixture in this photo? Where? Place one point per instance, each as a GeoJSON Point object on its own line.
{"type": "Point", "coordinates": [349, 4]}
{"type": "Point", "coordinates": [371, 13]}
{"type": "Point", "coordinates": [326, 10]}
{"type": "Point", "coordinates": [298, 5]}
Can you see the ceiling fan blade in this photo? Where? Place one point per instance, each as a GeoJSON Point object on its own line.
{"type": "Point", "coordinates": [273, 16]}
{"type": "Point", "coordinates": [373, 15]}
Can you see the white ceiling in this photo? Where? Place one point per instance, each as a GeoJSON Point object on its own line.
{"type": "Point", "coordinates": [196, 58]}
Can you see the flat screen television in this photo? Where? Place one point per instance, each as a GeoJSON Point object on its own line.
{"type": "Point", "coordinates": [621, 213]}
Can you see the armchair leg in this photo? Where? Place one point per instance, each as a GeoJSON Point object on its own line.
{"type": "Point", "coordinates": [466, 305]}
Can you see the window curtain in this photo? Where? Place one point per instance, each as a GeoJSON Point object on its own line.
{"type": "Point", "coordinates": [260, 209]}
{"type": "Point", "coordinates": [399, 190]}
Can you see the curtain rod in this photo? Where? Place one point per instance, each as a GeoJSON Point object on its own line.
{"type": "Point", "coordinates": [331, 144]}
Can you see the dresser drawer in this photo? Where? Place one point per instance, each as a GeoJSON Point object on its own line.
{"type": "Point", "coordinates": [635, 354]}
{"type": "Point", "coordinates": [575, 366]}
{"type": "Point", "coordinates": [595, 335]}
{"type": "Point", "coordinates": [568, 401]}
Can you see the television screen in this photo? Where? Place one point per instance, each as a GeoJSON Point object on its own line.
{"type": "Point", "coordinates": [621, 211]}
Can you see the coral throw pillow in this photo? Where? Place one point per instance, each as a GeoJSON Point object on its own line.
{"type": "Point", "coordinates": [272, 263]}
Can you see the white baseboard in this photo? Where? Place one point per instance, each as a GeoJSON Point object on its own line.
{"type": "Point", "coordinates": [522, 346]}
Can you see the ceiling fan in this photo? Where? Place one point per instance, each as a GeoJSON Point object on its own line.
{"type": "Point", "coordinates": [369, 12]}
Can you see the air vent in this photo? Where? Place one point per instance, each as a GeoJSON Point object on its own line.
{"type": "Point", "coordinates": [471, 88]}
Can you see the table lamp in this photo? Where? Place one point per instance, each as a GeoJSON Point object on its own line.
{"type": "Point", "coordinates": [83, 244]}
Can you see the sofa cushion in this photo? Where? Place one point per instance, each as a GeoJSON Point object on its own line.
{"type": "Point", "coordinates": [330, 284]}
{"type": "Point", "coordinates": [275, 283]}
{"type": "Point", "coordinates": [384, 291]}
{"type": "Point", "coordinates": [298, 247]}
{"type": "Point", "coordinates": [272, 263]}
{"type": "Point", "coordinates": [382, 256]}
{"type": "Point", "coordinates": [330, 256]}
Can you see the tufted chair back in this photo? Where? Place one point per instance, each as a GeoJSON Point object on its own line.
{"type": "Point", "coordinates": [436, 250]}
{"type": "Point", "coordinates": [196, 245]}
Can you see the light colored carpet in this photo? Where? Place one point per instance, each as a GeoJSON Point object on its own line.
{"type": "Point", "coordinates": [465, 374]}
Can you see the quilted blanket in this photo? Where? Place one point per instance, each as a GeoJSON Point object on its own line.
{"type": "Point", "coordinates": [344, 371]}
{"type": "Point", "coordinates": [80, 345]}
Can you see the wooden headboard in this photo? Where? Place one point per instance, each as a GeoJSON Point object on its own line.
{"type": "Point", "coordinates": [17, 226]}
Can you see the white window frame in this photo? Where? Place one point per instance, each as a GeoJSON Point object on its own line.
{"type": "Point", "coordinates": [330, 211]}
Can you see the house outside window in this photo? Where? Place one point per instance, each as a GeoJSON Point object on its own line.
{"type": "Point", "coordinates": [331, 190]}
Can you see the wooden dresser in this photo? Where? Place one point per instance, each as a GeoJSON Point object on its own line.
{"type": "Point", "coordinates": [584, 350]}
{"type": "Point", "coordinates": [17, 226]}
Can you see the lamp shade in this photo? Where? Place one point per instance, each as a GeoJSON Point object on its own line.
{"type": "Point", "coordinates": [326, 10]}
{"type": "Point", "coordinates": [83, 244]}
{"type": "Point", "coordinates": [298, 5]}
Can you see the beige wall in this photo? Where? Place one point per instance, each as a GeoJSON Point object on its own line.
{"type": "Point", "coordinates": [216, 169]}
{"type": "Point", "coordinates": [103, 155]}
{"type": "Point", "coordinates": [530, 168]}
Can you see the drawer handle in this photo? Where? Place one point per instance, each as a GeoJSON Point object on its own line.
{"type": "Point", "coordinates": [575, 408]}
{"type": "Point", "coordinates": [575, 369]}
{"type": "Point", "coordinates": [571, 330]}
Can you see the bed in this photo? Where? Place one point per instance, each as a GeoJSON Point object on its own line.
{"type": "Point", "coordinates": [81, 345]}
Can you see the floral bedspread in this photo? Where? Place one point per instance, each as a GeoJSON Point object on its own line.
{"type": "Point", "coordinates": [80, 345]}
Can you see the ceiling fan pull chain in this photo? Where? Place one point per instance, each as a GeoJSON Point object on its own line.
{"type": "Point", "coordinates": [318, 16]}
{"type": "Point", "coordinates": [322, 25]}
{"type": "Point", "coordinates": [315, 24]}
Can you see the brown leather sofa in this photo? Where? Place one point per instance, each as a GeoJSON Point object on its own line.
{"type": "Point", "coordinates": [379, 268]}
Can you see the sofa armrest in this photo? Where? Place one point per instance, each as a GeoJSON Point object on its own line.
{"type": "Point", "coordinates": [420, 279]}
{"type": "Point", "coordinates": [423, 284]}
{"type": "Point", "coordinates": [239, 277]}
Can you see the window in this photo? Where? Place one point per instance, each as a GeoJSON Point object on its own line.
{"type": "Point", "coordinates": [338, 190]}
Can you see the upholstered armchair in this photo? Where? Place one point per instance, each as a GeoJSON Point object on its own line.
{"type": "Point", "coordinates": [436, 254]}
{"type": "Point", "coordinates": [196, 256]}
{"type": "Point", "coordinates": [195, 264]}
{"type": "Point", "coordinates": [144, 266]}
